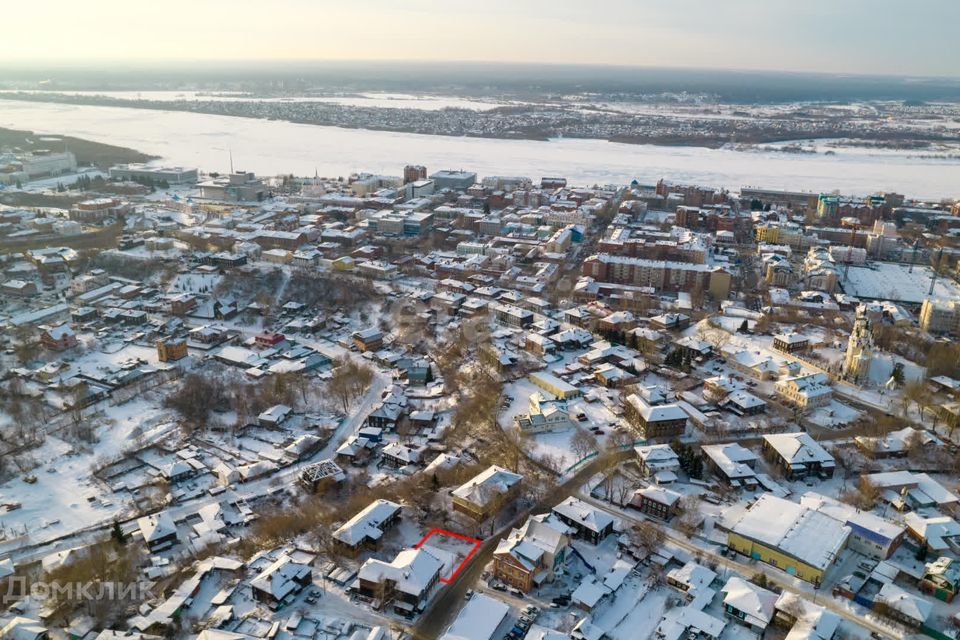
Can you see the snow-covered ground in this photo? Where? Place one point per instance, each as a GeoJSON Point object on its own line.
{"type": "Point", "coordinates": [898, 282]}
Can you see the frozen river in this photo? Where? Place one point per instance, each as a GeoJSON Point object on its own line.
{"type": "Point", "coordinates": [273, 147]}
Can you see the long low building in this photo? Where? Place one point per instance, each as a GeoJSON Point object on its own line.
{"type": "Point", "coordinates": [554, 385]}
{"type": "Point", "coordinates": [170, 175]}
{"type": "Point", "coordinates": [786, 535]}
{"type": "Point", "coordinates": [661, 275]}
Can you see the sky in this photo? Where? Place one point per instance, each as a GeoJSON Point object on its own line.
{"type": "Point", "coordinates": [888, 37]}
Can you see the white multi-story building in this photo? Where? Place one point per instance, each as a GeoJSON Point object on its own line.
{"type": "Point", "coordinates": [940, 316]}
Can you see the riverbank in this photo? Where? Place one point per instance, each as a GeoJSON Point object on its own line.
{"type": "Point", "coordinates": [273, 147]}
{"type": "Point", "coordinates": [534, 121]}
{"type": "Point", "coordinates": [88, 152]}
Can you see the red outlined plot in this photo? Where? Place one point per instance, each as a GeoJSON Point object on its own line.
{"type": "Point", "coordinates": [443, 532]}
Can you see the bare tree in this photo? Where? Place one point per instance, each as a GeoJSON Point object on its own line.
{"type": "Point", "coordinates": [349, 380]}
{"type": "Point", "coordinates": [583, 443]}
{"type": "Point", "coordinates": [197, 397]}
{"type": "Point", "coordinates": [647, 537]}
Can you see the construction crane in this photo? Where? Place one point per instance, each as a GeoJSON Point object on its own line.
{"type": "Point", "coordinates": [846, 267]}
{"type": "Point", "coordinates": [936, 266]}
{"type": "Point", "coordinates": [913, 255]}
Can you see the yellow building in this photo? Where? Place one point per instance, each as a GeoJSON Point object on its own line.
{"type": "Point", "coordinates": [800, 541]}
{"type": "Point", "coordinates": [767, 234]}
{"type": "Point", "coordinates": [171, 349]}
{"type": "Point", "coordinates": [720, 283]}
{"type": "Point", "coordinates": [554, 385]}
{"type": "Point", "coordinates": [345, 263]}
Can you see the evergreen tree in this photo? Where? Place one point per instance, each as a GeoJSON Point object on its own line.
{"type": "Point", "coordinates": [897, 374]}
{"type": "Point", "coordinates": [696, 467]}
{"type": "Point", "coordinates": [116, 533]}
{"type": "Point", "coordinates": [674, 359]}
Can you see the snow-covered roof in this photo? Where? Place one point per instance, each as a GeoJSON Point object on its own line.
{"type": "Point", "coordinates": [20, 628]}
{"type": "Point", "coordinates": [156, 526]}
{"type": "Point", "coordinates": [281, 577]}
{"type": "Point", "coordinates": [539, 535]}
{"type": "Point", "coordinates": [402, 452]}
{"type": "Point", "coordinates": [912, 606]}
{"type": "Point", "coordinates": [921, 482]}
{"type": "Point", "coordinates": [478, 620]}
{"type": "Point", "coordinates": [676, 622]}
{"type": "Point", "coordinates": [791, 338]}
{"type": "Point", "coordinates": [813, 621]}
{"type": "Point", "coordinates": [934, 530]}
{"type": "Point", "coordinates": [658, 455]}
{"type": "Point", "coordinates": [590, 592]}
{"type": "Point", "coordinates": [368, 523]}
{"type": "Point", "coordinates": [755, 602]}
{"type": "Point", "coordinates": [807, 535]}
{"type": "Point", "coordinates": [856, 519]}
{"type": "Point", "coordinates": [60, 332]}
{"type": "Point", "coordinates": [744, 400]}
{"type": "Point", "coordinates": [692, 575]}
{"type": "Point", "coordinates": [412, 571]}
{"type": "Point", "coordinates": [584, 514]}
{"type": "Point", "coordinates": [442, 461]}
{"type": "Point", "coordinates": [6, 568]}
{"type": "Point", "coordinates": [897, 442]}
{"type": "Point", "coordinates": [660, 495]}
{"type": "Point", "coordinates": [798, 448]}
{"type": "Point", "coordinates": [276, 413]}
{"type": "Point", "coordinates": [487, 484]}
{"type": "Point", "coordinates": [656, 413]}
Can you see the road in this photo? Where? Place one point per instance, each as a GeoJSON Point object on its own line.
{"type": "Point", "coordinates": [748, 569]}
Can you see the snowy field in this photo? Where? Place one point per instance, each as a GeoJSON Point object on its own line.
{"type": "Point", "coordinates": [274, 147]}
{"type": "Point", "coordinates": [887, 281]}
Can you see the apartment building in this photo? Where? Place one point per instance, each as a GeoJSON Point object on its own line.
{"type": "Point", "coordinates": [940, 317]}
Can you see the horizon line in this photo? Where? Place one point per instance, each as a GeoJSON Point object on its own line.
{"type": "Point", "coordinates": [135, 63]}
